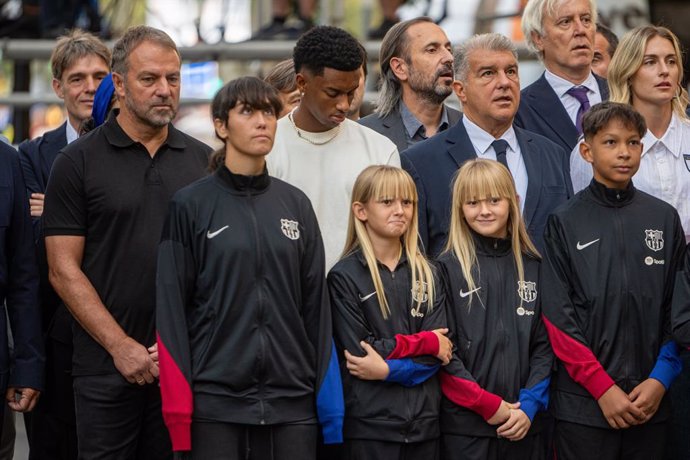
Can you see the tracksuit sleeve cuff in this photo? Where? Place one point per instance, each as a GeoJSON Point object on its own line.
{"type": "Point", "coordinates": [530, 407]}
{"type": "Point", "coordinates": [487, 404]}
{"type": "Point", "coordinates": [397, 370]}
{"type": "Point", "coordinates": [668, 365]}
{"type": "Point", "coordinates": [181, 436]}
{"type": "Point", "coordinates": [598, 383]}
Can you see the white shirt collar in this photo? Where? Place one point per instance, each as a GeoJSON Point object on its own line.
{"type": "Point", "coordinates": [482, 140]}
{"type": "Point", "coordinates": [671, 140]}
{"type": "Point", "coordinates": [561, 85]}
{"type": "Point", "coordinates": [71, 133]}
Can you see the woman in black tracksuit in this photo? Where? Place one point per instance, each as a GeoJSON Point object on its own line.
{"type": "Point", "coordinates": [247, 363]}
{"type": "Point", "coordinates": [389, 324]}
{"type": "Point", "coordinates": [498, 379]}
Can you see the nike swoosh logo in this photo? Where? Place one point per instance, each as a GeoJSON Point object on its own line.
{"type": "Point", "coordinates": [465, 294]}
{"type": "Point", "coordinates": [362, 299]}
{"type": "Point", "coordinates": [210, 234]}
{"type": "Point", "coordinates": [580, 247]}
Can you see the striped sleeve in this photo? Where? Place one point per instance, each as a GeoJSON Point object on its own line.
{"type": "Point", "coordinates": [174, 283]}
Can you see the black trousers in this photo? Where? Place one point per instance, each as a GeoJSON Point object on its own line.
{"type": "Point", "coordinates": [640, 442]}
{"type": "Point", "coordinates": [365, 449]}
{"type": "Point", "coordinates": [51, 426]}
{"type": "Point", "coordinates": [230, 441]}
{"type": "Point", "coordinates": [119, 420]}
{"type": "Point", "coordinates": [458, 447]}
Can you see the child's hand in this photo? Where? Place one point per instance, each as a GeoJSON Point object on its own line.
{"type": "Point", "coordinates": [516, 427]}
{"type": "Point", "coordinates": [647, 397]}
{"type": "Point", "coordinates": [618, 410]}
{"type": "Point", "coordinates": [503, 413]}
{"type": "Point", "coordinates": [445, 346]}
{"type": "Point", "coordinates": [369, 367]}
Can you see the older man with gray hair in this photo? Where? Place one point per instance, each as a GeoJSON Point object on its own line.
{"type": "Point", "coordinates": [106, 203]}
{"type": "Point", "coordinates": [561, 32]}
{"type": "Point", "coordinates": [416, 77]}
{"type": "Point", "coordinates": [488, 86]}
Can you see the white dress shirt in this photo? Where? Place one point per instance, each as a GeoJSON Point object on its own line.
{"type": "Point", "coordinates": [71, 133]}
{"type": "Point", "coordinates": [664, 168]}
{"type": "Point", "coordinates": [481, 141]}
{"type": "Point", "coordinates": [561, 87]}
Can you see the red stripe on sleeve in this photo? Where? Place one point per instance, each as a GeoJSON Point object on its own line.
{"type": "Point", "coordinates": [469, 394]}
{"type": "Point", "coordinates": [579, 361]}
{"type": "Point", "coordinates": [411, 345]}
{"type": "Point", "coordinates": [176, 394]}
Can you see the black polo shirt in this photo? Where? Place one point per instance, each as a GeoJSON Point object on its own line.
{"type": "Point", "coordinates": [107, 188]}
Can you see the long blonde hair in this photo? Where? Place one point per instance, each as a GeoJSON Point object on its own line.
{"type": "Point", "coordinates": [628, 59]}
{"type": "Point", "coordinates": [481, 179]}
{"type": "Point", "coordinates": [375, 183]}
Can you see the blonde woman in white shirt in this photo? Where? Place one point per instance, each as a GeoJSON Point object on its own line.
{"type": "Point", "coordinates": [646, 72]}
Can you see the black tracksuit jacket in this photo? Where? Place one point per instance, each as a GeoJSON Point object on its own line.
{"type": "Point", "coordinates": [405, 407]}
{"type": "Point", "coordinates": [502, 349]}
{"type": "Point", "coordinates": [243, 316]}
{"type": "Point", "coordinates": [607, 281]}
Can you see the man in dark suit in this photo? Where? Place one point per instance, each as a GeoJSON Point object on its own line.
{"type": "Point", "coordinates": [416, 77]}
{"type": "Point", "coordinates": [79, 62]}
{"type": "Point", "coordinates": [21, 373]}
{"type": "Point", "coordinates": [553, 105]}
{"type": "Point", "coordinates": [487, 84]}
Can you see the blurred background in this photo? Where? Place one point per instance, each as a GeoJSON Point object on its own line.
{"type": "Point", "coordinates": [216, 41]}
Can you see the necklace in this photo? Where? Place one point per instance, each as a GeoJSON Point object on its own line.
{"type": "Point", "coordinates": [323, 138]}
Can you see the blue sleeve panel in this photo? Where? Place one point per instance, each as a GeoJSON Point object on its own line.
{"type": "Point", "coordinates": [668, 364]}
{"type": "Point", "coordinates": [330, 403]}
{"type": "Point", "coordinates": [535, 399]}
{"type": "Point", "coordinates": [408, 373]}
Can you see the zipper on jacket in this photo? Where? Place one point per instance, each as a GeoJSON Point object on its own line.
{"type": "Point", "coordinates": [260, 313]}
{"type": "Point", "coordinates": [620, 236]}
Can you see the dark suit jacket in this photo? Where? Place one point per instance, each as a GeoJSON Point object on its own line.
{"type": "Point", "coordinates": [36, 157]}
{"type": "Point", "coordinates": [541, 112]}
{"type": "Point", "coordinates": [433, 163]}
{"type": "Point", "coordinates": [18, 282]}
{"type": "Point", "coordinates": [393, 128]}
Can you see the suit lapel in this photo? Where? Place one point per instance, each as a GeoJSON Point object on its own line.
{"type": "Point", "coordinates": [53, 142]}
{"type": "Point", "coordinates": [534, 172]}
{"type": "Point", "coordinates": [548, 107]}
{"type": "Point", "coordinates": [395, 129]}
{"type": "Point", "coordinates": [459, 145]}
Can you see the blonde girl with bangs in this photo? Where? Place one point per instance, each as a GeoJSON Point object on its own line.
{"type": "Point", "coordinates": [496, 386]}
{"type": "Point", "coordinates": [389, 323]}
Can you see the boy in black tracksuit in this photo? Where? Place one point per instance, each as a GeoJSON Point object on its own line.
{"type": "Point", "coordinates": [607, 280]}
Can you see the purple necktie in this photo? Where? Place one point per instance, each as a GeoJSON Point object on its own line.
{"type": "Point", "coordinates": [580, 93]}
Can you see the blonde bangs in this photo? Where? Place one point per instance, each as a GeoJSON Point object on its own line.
{"type": "Point", "coordinates": [392, 183]}
{"type": "Point", "coordinates": [483, 180]}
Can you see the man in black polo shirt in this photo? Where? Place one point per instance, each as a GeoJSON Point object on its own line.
{"type": "Point", "coordinates": [105, 206]}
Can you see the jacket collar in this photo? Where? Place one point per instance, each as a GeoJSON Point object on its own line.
{"type": "Point", "coordinates": [611, 197]}
{"type": "Point", "coordinates": [489, 246]}
{"type": "Point", "coordinates": [242, 183]}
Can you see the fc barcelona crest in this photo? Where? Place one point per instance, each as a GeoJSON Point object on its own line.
{"type": "Point", "coordinates": [290, 228]}
{"type": "Point", "coordinates": [654, 239]}
{"type": "Point", "coordinates": [527, 290]}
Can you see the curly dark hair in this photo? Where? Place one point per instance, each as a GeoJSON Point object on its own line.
{"type": "Point", "coordinates": [327, 46]}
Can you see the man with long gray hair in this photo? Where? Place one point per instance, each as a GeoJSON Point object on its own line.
{"type": "Point", "coordinates": [487, 84]}
{"type": "Point", "coordinates": [416, 77]}
{"type": "Point", "coordinates": [106, 202]}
